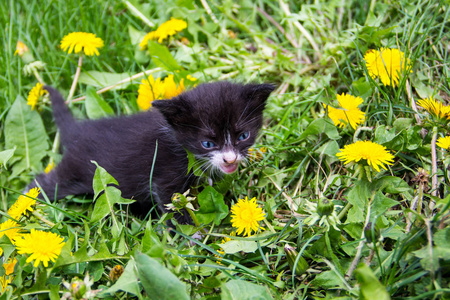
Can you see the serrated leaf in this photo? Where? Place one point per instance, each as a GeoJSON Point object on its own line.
{"type": "Point", "coordinates": [25, 131]}
{"type": "Point", "coordinates": [101, 179]}
{"type": "Point", "coordinates": [158, 281]}
{"type": "Point", "coordinates": [96, 107]}
{"type": "Point", "coordinates": [243, 290]}
{"type": "Point", "coordinates": [162, 57]}
{"type": "Point", "coordinates": [212, 206]}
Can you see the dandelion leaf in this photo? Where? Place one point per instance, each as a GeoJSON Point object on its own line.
{"type": "Point", "coordinates": [103, 79]}
{"type": "Point", "coordinates": [127, 282]}
{"type": "Point", "coordinates": [370, 287]}
{"type": "Point", "coordinates": [157, 280]}
{"type": "Point", "coordinates": [24, 130]}
{"type": "Point", "coordinates": [243, 290]}
{"type": "Point", "coordinates": [162, 57]}
{"type": "Point", "coordinates": [96, 107]}
{"type": "Point", "coordinates": [212, 206]}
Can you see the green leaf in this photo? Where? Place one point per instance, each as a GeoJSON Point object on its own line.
{"type": "Point", "coordinates": [381, 203]}
{"type": "Point", "coordinates": [24, 130]}
{"type": "Point", "coordinates": [6, 155]}
{"type": "Point", "coordinates": [127, 282]}
{"type": "Point", "coordinates": [235, 246]}
{"type": "Point", "coordinates": [319, 126]}
{"type": "Point", "coordinates": [103, 79]}
{"type": "Point", "coordinates": [96, 107]}
{"type": "Point", "coordinates": [370, 287]}
{"type": "Point", "coordinates": [243, 290]}
{"type": "Point", "coordinates": [157, 280]}
{"type": "Point", "coordinates": [358, 197]}
{"type": "Point", "coordinates": [162, 57]}
{"type": "Point", "coordinates": [212, 206]}
{"type": "Point", "coordinates": [101, 179]}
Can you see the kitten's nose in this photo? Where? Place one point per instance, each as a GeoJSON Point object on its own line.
{"type": "Point", "coordinates": [229, 157]}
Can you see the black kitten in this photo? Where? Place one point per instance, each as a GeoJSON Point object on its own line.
{"type": "Point", "coordinates": [217, 122]}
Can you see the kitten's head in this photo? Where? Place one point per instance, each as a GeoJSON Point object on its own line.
{"type": "Point", "coordinates": [217, 121]}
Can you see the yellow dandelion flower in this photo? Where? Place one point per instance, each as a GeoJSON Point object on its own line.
{"type": "Point", "coordinates": [151, 89]}
{"type": "Point", "coordinates": [49, 167]}
{"type": "Point", "coordinates": [256, 154]}
{"type": "Point", "coordinates": [191, 78]}
{"type": "Point", "coordinates": [35, 94]}
{"type": "Point", "coordinates": [9, 266]}
{"type": "Point", "coordinates": [348, 113]}
{"type": "Point", "coordinates": [165, 30]}
{"type": "Point", "coordinates": [4, 282]}
{"type": "Point", "coordinates": [24, 204]}
{"type": "Point", "coordinates": [245, 216]}
{"type": "Point", "coordinates": [76, 42]}
{"type": "Point", "coordinates": [42, 246]}
{"type": "Point", "coordinates": [435, 108]}
{"type": "Point", "coordinates": [1, 251]}
{"type": "Point", "coordinates": [11, 229]}
{"type": "Point", "coordinates": [170, 87]}
{"type": "Point", "coordinates": [444, 142]}
{"type": "Point", "coordinates": [374, 154]}
{"type": "Point", "coordinates": [387, 64]}
{"type": "Point", "coordinates": [21, 48]}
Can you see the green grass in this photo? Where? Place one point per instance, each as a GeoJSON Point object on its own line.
{"type": "Point", "coordinates": [248, 41]}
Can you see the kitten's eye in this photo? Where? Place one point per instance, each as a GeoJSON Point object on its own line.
{"type": "Point", "coordinates": [208, 144]}
{"type": "Point", "coordinates": [244, 136]}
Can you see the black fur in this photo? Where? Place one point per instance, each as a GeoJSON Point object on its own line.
{"type": "Point", "coordinates": [125, 146]}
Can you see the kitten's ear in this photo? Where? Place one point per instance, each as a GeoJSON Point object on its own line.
{"type": "Point", "coordinates": [176, 111]}
{"type": "Point", "coordinates": [257, 94]}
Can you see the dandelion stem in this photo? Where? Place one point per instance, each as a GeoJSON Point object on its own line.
{"type": "Point", "coordinates": [126, 80]}
{"type": "Point", "coordinates": [434, 178]}
{"type": "Point", "coordinates": [41, 218]}
{"type": "Point", "coordinates": [38, 77]}
{"type": "Point", "coordinates": [360, 246]}
{"type": "Point", "coordinates": [209, 11]}
{"type": "Point", "coordinates": [75, 80]}
{"type": "Point", "coordinates": [302, 29]}
{"type": "Point", "coordinates": [194, 218]}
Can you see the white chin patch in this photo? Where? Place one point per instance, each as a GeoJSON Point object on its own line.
{"type": "Point", "coordinates": [226, 161]}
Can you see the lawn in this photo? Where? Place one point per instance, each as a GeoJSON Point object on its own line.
{"type": "Point", "coordinates": [350, 172]}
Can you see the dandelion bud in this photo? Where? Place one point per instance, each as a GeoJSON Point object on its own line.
{"type": "Point", "coordinates": [325, 207]}
{"type": "Point", "coordinates": [179, 200]}
{"type": "Point", "coordinates": [291, 255]}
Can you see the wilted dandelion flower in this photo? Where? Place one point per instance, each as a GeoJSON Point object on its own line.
{"type": "Point", "coordinates": [151, 89]}
{"type": "Point", "coordinates": [444, 142]}
{"type": "Point", "coordinates": [245, 216]}
{"type": "Point", "coordinates": [21, 48]}
{"type": "Point", "coordinates": [256, 154]}
{"type": "Point", "coordinates": [387, 64]}
{"type": "Point", "coordinates": [348, 113]}
{"type": "Point", "coordinates": [435, 108]}
{"type": "Point", "coordinates": [374, 154]}
{"type": "Point", "coordinates": [24, 204]}
{"type": "Point", "coordinates": [76, 42]}
{"type": "Point", "coordinates": [165, 30]}
{"type": "Point", "coordinates": [42, 246]}
{"type": "Point", "coordinates": [35, 94]}
{"type": "Point", "coordinates": [11, 229]}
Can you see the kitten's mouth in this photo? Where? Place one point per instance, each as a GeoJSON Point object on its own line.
{"type": "Point", "coordinates": [229, 168]}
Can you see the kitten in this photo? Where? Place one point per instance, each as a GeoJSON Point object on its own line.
{"type": "Point", "coordinates": [217, 122]}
